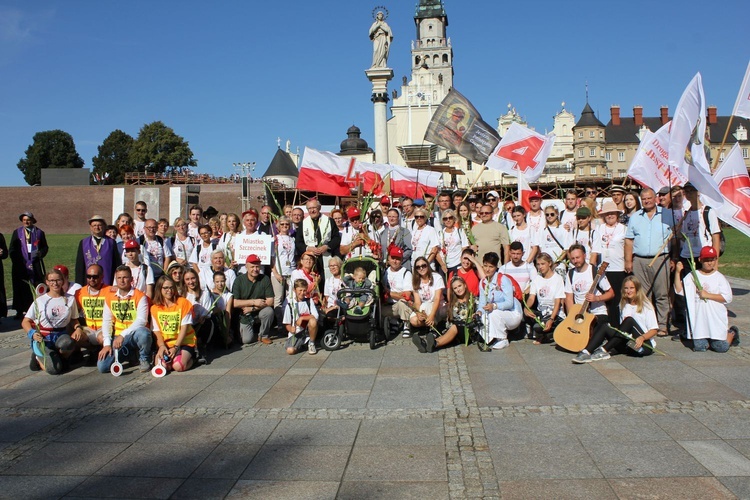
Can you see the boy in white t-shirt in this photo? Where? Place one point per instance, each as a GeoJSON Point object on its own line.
{"type": "Point", "coordinates": [301, 321]}
{"type": "Point", "coordinates": [398, 287]}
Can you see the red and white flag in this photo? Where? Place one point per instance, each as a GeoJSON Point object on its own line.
{"type": "Point", "coordinates": [742, 105]}
{"type": "Point", "coordinates": [524, 192]}
{"type": "Point", "coordinates": [734, 184]}
{"type": "Point", "coordinates": [412, 182]}
{"type": "Point", "coordinates": [650, 166]}
{"type": "Point", "coordinates": [327, 173]}
{"type": "Point", "coordinates": [522, 151]}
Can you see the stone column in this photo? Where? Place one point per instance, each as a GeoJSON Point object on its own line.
{"type": "Point", "coordinates": [379, 78]}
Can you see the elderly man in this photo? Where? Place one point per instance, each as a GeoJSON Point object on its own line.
{"type": "Point", "coordinates": [490, 236]}
{"type": "Point", "coordinates": [648, 230]}
{"type": "Point", "coordinates": [253, 296]}
{"type": "Point", "coordinates": [265, 226]}
{"type": "Point", "coordinates": [353, 238]}
{"type": "Point", "coordinates": [97, 249]}
{"type": "Point", "coordinates": [319, 236]}
{"type": "Point", "coordinates": [218, 263]}
{"type": "Point", "coordinates": [407, 209]}
{"type": "Point", "coordinates": [394, 235]}
{"type": "Point", "coordinates": [125, 315]}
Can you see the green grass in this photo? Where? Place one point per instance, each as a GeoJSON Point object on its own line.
{"type": "Point", "coordinates": [62, 250]}
{"type": "Point", "coordinates": [736, 259]}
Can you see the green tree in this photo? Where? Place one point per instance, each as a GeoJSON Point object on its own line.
{"type": "Point", "coordinates": [114, 157]}
{"type": "Point", "coordinates": [50, 149]}
{"type": "Point", "coordinates": [159, 149]}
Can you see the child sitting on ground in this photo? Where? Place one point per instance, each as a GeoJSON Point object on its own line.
{"type": "Point", "coordinates": [301, 321]}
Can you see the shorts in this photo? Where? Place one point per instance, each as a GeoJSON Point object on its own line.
{"type": "Point", "coordinates": [296, 341]}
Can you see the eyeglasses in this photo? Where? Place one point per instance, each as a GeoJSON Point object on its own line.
{"type": "Point", "coordinates": [420, 217]}
{"type": "Point", "coordinates": [420, 267]}
{"type": "Point", "coordinates": [55, 281]}
{"type": "Point", "coordinates": [590, 192]}
{"type": "Point", "coordinates": [205, 233]}
{"type": "Point", "coordinates": [377, 216]}
{"type": "Point", "coordinates": [282, 224]}
{"type": "Point", "coordinates": [92, 276]}
{"type": "Point", "coordinates": [485, 213]}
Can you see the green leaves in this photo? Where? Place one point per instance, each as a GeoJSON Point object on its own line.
{"type": "Point", "coordinates": [159, 149]}
{"type": "Point", "coordinates": [50, 149]}
{"type": "Point", "coordinates": [114, 157]}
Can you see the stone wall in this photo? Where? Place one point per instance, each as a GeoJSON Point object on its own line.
{"type": "Point", "coordinates": [65, 210]}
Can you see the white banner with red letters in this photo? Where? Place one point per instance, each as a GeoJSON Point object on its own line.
{"type": "Point", "coordinates": [522, 151]}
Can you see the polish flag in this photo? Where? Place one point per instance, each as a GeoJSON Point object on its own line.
{"type": "Point", "coordinates": [327, 173]}
{"type": "Point", "coordinates": [734, 184]}
{"type": "Point", "coordinates": [524, 191]}
{"type": "Point", "coordinates": [412, 182]}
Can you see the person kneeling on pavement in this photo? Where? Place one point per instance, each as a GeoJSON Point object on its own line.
{"type": "Point", "coordinates": [126, 316]}
{"type": "Point", "coordinates": [300, 321]}
{"type": "Point", "coordinates": [499, 309]}
{"type": "Point", "coordinates": [49, 323]}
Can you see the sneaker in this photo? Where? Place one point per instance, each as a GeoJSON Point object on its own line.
{"type": "Point", "coordinates": [144, 366]}
{"type": "Point", "coordinates": [52, 362]}
{"type": "Point", "coordinates": [429, 341]}
{"type": "Point", "coordinates": [600, 355]}
{"type": "Point", "coordinates": [201, 359]}
{"type": "Point", "coordinates": [736, 339]}
{"type": "Point", "coordinates": [406, 333]}
{"type": "Point", "coordinates": [501, 344]}
{"type": "Point", "coordinates": [583, 357]}
{"type": "Point", "coordinates": [311, 349]}
{"type": "Point", "coordinates": [421, 344]}
{"type": "Point", "coordinates": [34, 364]}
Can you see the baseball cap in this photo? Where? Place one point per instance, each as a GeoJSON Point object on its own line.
{"type": "Point", "coordinates": [385, 200]}
{"type": "Point", "coordinates": [353, 213]}
{"type": "Point", "coordinates": [708, 253]}
{"type": "Point", "coordinates": [419, 202]}
{"type": "Point", "coordinates": [132, 245]}
{"type": "Point", "coordinates": [535, 194]}
{"type": "Point", "coordinates": [395, 251]}
{"type": "Point", "coordinates": [62, 269]}
{"type": "Point", "coordinates": [252, 259]}
{"type": "Point", "coordinates": [583, 212]}
{"type": "Point", "coordinates": [493, 194]}
{"type": "Point", "coordinates": [663, 191]}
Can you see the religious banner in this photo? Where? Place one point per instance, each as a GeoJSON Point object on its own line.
{"type": "Point", "coordinates": [458, 126]}
{"type": "Point", "coordinates": [734, 184]}
{"type": "Point", "coordinates": [257, 243]}
{"type": "Point", "coordinates": [742, 105]}
{"type": "Point", "coordinates": [650, 166]}
{"type": "Point", "coordinates": [522, 152]}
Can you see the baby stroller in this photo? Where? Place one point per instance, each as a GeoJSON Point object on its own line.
{"type": "Point", "coordinates": [359, 313]}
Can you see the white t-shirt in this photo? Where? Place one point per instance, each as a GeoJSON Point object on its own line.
{"type": "Point", "coordinates": [585, 238]}
{"type": "Point", "coordinates": [398, 281]}
{"type": "Point", "coordinates": [567, 217]}
{"type": "Point", "coordinates": [182, 249]}
{"type": "Point", "coordinates": [202, 255]}
{"type": "Point", "coordinates": [294, 310]}
{"type": "Point", "coordinates": [138, 227]}
{"type": "Point", "coordinates": [526, 236]}
{"type": "Point", "coordinates": [331, 289]}
{"type": "Point", "coordinates": [536, 222]}
{"type": "Point", "coordinates": [427, 292]}
{"type": "Point", "coordinates": [347, 235]}
{"type": "Point", "coordinates": [523, 274]}
{"type": "Point", "coordinates": [206, 276]}
{"type": "Point", "coordinates": [452, 244]}
{"type": "Point", "coordinates": [200, 306]}
{"type": "Point", "coordinates": [646, 319]}
{"type": "Point", "coordinates": [208, 297]}
{"type": "Point", "coordinates": [609, 243]}
{"type": "Point", "coordinates": [547, 243]}
{"type": "Point", "coordinates": [285, 251]}
{"type": "Point", "coordinates": [546, 291]}
{"type": "Point", "coordinates": [53, 313]}
{"type": "Point", "coordinates": [157, 254]}
{"type": "Point", "coordinates": [423, 241]}
{"type": "Point", "coordinates": [708, 318]}
{"type": "Point", "coordinates": [580, 287]}
{"type": "Point", "coordinates": [140, 279]}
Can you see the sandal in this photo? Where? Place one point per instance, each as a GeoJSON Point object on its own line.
{"type": "Point", "coordinates": [662, 333]}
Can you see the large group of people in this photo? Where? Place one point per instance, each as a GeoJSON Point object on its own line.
{"type": "Point", "coordinates": [450, 263]}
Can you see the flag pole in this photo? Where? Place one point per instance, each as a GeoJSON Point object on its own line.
{"type": "Point", "coordinates": [481, 171]}
{"type": "Point", "coordinates": [723, 142]}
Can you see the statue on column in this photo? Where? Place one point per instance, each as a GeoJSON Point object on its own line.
{"type": "Point", "coordinates": [381, 36]}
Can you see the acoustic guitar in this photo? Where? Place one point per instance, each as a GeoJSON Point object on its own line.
{"type": "Point", "coordinates": [574, 332]}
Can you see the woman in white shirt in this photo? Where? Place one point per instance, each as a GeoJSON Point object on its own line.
{"type": "Point", "coordinates": [182, 243]}
{"type": "Point", "coordinates": [608, 245]}
{"type": "Point", "coordinates": [452, 242]}
{"type": "Point", "coordinates": [429, 308]}
{"type": "Point", "coordinates": [548, 291]}
{"type": "Point", "coordinates": [226, 242]}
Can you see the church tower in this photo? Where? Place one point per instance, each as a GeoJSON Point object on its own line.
{"type": "Point", "coordinates": [431, 79]}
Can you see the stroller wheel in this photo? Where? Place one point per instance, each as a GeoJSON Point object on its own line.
{"type": "Point", "coordinates": [373, 338]}
{"type": "Point", "coordinates": [331, 340]}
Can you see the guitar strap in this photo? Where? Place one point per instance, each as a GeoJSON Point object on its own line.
{"type": "Point", "coordinates": [593, 276]}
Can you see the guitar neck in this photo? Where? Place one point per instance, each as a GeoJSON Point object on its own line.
{"type": "Point", "coordinates": [597, 278]}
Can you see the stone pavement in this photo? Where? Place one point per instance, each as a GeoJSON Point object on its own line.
{"type": "Point", "coordinates": [391, 423]}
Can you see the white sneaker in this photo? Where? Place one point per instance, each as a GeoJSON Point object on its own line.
{"type": "Point", "coordinates": [311, 348]}
{"type": "Point", "coordinates": [600, 355]}
{"type": "Point", "coordinates": [500, 344]}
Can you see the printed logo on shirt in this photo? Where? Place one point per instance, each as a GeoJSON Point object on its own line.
{"type": "Point", "coordinates": [169, 323]}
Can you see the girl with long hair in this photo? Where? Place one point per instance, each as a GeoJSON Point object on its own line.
{"type": "Point", "coordinates": [428, 296]}
{"type": "Point", "coordinates": [461, 309]}
{"type": "Point", "coordinates": [548, 291]}
{"type": "Point", "coordinates": [172, 324]}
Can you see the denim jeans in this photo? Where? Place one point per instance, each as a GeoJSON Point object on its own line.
{"type": "Point", "coordinates": [701, 345]}
{"type": "Point", "coordinates": [138, 340]}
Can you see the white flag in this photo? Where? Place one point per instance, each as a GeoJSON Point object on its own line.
{"type": "Point", "coordinates": [742, 106]}
{"type": "Point", "coordinates": [650, 166]}
{"type": "Point", "coordinates": [734, 184]}
{"type": "Point", "coordinates": [521, 151]}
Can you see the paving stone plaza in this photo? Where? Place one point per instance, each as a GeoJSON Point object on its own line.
{"type": "Point", "coordinates": [390, 423]}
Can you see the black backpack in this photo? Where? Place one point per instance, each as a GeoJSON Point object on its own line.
{"type": "Point", "coordinates": [722, 240]}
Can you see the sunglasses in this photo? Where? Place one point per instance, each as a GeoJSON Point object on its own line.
{"type": "Point", "coordinates": [140, 209]}
{"type": "Point", "coordinates": [448, 218]}
{"type": "Point", "coordinates": [420, 217]}
{"type": "Point", "coordinates": [550, 215]}
{"type": "Point", "coordinates": [92, 276]}
{"type": "Point", "coordinates": [485, 213]}
{"type": "Point", "coordinates": [590, 192]}
{"type": "Point", "coordinates": [420, 267]}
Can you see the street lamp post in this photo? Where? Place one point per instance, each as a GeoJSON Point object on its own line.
{"type": "Point", "coordinates": [246, 171]}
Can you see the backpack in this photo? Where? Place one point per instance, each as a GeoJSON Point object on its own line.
{"type": "Point", "coordinates": [517, 292]}
{"type": "Point", "coordinates": [199, 247]}
{"type": "Point", "coordinates": [142, 239]}
{"type": "Point", "coordinates": [722, 240]}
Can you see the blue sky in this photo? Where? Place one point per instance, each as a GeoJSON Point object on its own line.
{"type": "Point", "coordinates": [232, 76]}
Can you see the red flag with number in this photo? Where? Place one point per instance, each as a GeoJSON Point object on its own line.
{"type": "Point", "coordinates": [522, 151]}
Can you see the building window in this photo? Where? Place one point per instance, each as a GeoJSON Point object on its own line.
{"type": "Point", "coordinates": [580, 171]}
{"type": "Point", "coordinates": [621, 156]}
{"type": "Point", "coordinates": [592, 134]}
{"type": "Point", "coordinates": [601, 134]}
{"type": "Point", "coordinates": [744, 153]}
{"type": "Point", "coordinates": [622, 172]}
{"type": "Point", "coordinates": [580, 153]}
{"type": "Point", "coordinates": [721, 156]}
{"type": "Point", "coordinates": [608, 156]}
{"type": "Point", "coordinates": [468, 164]}
{"type": "Point", "coordinates": [592, 151]}
{"type": "Point", "coordinates": [580, 135]}
{"type": "Point", "coordinates": [593, 170]}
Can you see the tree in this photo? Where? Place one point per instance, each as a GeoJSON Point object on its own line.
{"type": "Point", "coordinates": [50, 149]}
{"type": "Point", "coordinates": [159, 149]}
{"type": "Point", "coordinates": [114, 157]}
